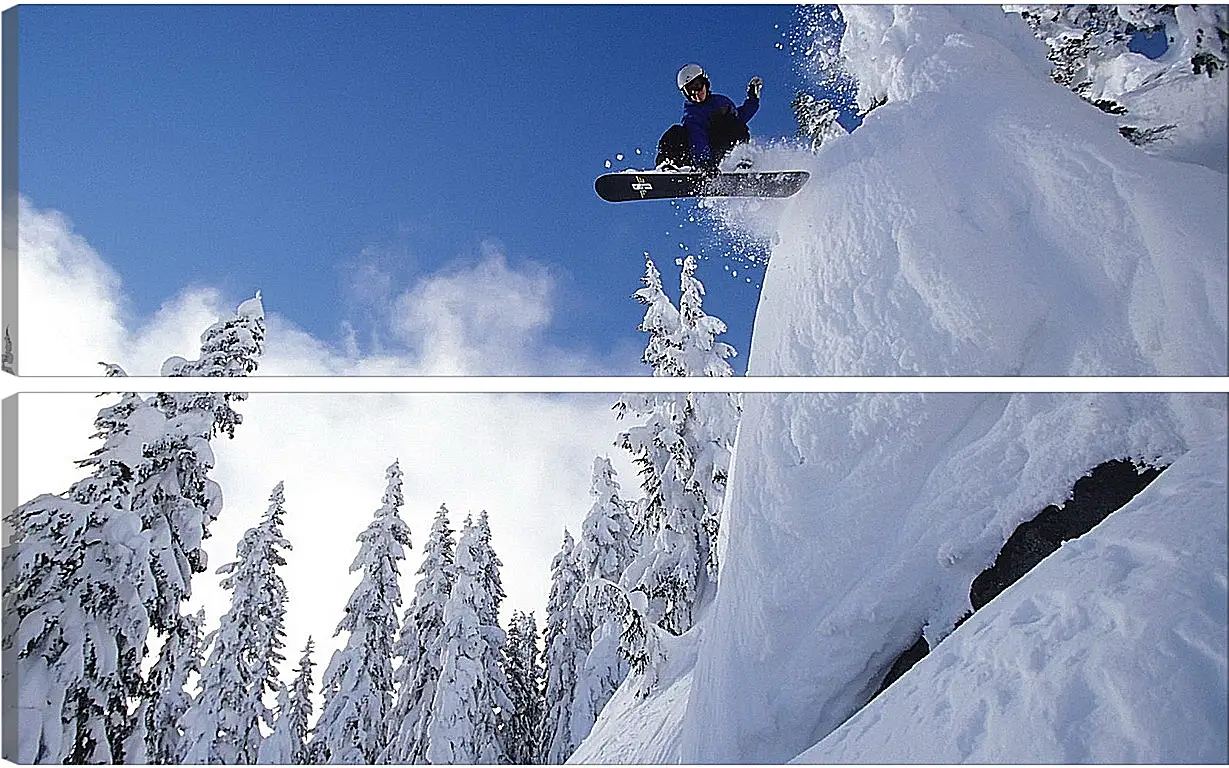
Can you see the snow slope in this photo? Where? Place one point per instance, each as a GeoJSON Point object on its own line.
{"type": "Point", "coordinates": [857, 522]}
{"type": "Point", "coordinates": [634, 728]}
{"type": "Point", "coordinates": [1111, 650]}
{"type": "Point", "coordinates": [983, 221]}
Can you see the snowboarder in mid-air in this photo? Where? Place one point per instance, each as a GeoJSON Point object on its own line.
{"type": "Point", "coordinates": [689, 155]}
{"type": "Point", "coordinates": [711, 126]}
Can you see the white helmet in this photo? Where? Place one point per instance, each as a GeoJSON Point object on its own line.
{"type": "Point", "coordinates": [688, 73]}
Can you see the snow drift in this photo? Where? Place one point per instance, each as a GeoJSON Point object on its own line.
{"type": "Point", "coordinates": [1113, 649]}
{"type": "Point", "coordinates": [984, 221]}
{"type": "Point", "coordinates": [857, 523]}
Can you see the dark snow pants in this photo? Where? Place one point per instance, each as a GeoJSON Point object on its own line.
{"type": "Point", "coordinates": [724, 132]}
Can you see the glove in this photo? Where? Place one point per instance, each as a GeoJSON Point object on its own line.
{"type": "Point", "coordinates": [753, 87]}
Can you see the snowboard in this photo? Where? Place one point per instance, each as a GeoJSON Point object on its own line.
{"type": "Point", "coordinates": [664, 185]}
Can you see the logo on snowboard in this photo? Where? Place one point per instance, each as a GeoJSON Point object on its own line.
{"type": "Point", "coordinates": [642, 186]}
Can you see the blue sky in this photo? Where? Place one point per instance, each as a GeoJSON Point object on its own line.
{"type": "Point", "coordinates": [291, 148]}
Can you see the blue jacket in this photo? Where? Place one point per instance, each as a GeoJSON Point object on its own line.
{"type": "Point", "coordinates": [696, 118]}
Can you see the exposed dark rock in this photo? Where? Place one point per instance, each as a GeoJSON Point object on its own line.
{"type": "Point", "coordinates": [1095, 496]}
{"type": "Point", "coordinates": [904, 662]}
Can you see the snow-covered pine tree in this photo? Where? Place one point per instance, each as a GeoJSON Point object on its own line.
{"type": "Point", "coordinates": [1088, 45]}
{"type": "Point", "coordinates": [699, 351]}
{"type": "Point", "coordinates": [491, 594]}
{"type": "Point", "coordinates": [667, 353]}
{"type": "Point", "coordinates": [287, 745]}
{"type": "Point", "coordinates": [522, 724]}
{"type": "Point", "coordinates": [661, 322]}
{"type": "Point", "coordinates": [602, 555]}
{"type": "Point", "coordinates": [681, 343]}
{"type": "Point", "coordinates": [157, 737]}
{"type": "Point", "coordinates": [817, 119]}
{"type": "Point", "coordinates": [77, 593]}
{"type": "Point", "coordinates": [267, 613]}
{"type": "Point", "coordinates": [472, 688]}
{"type": "Point", "coordinates": [176, 499]}
{"type": "Point", "coordinates": [655, 445]}
{"type": "Point", "coordinates": [418, 647]}
{"type": "Point", "coordinates": [712, 418]}
{"type": "Point", "coordinates": [682, 448]}
{"type": "Point", "coordinates": [358, 684]}
{"type": "Point", "coordinates": [92, 571]}
{"type": "Point", "coordinates": [564, 653]}
{"type": "Point", "coordinates": [663, 354]}
{"type": "Point", "coordinates": [222, 725]}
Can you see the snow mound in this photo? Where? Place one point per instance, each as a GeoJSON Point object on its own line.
{"type": "Point", "coordinates": [1112, 650]}
{"type": "Point", "coordinates": [985, 221]}
{"type": "Point", "coordinates": [252, 307]}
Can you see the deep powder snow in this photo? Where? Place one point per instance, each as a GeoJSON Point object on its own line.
{"type": "Point", "coordinates": [983, 222]}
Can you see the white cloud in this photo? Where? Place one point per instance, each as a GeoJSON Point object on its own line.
{"type": "Point", "coordinates": [484, 319]}
{"type": "Point", "coordinates": [526, 459]}
{"type": "Point", "coordinates": [77, 320]}
{"type": "Point", "coordinates": [72, 312]}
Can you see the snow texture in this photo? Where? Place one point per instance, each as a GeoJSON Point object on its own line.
{"type": "Point", "coordinates": [982, 221]}
{"type": "Point", "coordinates": [639, 729]}
{"type": "Point", "coordinates": [1112, 650]}
{"type": "Point", "coordinates": [985, 221]}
